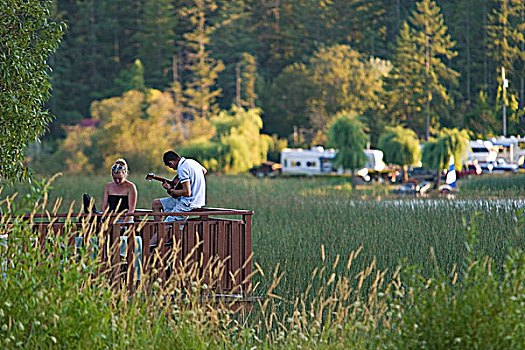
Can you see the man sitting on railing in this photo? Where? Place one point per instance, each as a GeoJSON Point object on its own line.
{"type": "Point", "coordinates": [192, 192]}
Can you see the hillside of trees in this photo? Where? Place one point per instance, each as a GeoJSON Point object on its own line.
{"type": "Point", "coordinates": [424, 65]}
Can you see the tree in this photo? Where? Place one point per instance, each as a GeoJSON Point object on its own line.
{"type": "Point", "coordinates": [201, 92]}
{"type": "Point", "coordinates": [249, 77]}
{"type": "Point", "coordinates": [436, 154]}
{"type": "Point", "coordinates": [482, 119]}
{"type": "Point", "coordinates": [235, 145]}
{"type": "Point", "coordinates": [28, 38]}
{"type": "Point", "coordinates": [156, 36]}
{"type": "Point", "coordinates": [507, 40]}
{"type": "Point", "coordinates": [137, 126]}
{"type": "Point", "coordinates": [285, 100]}
{"type": "Point", "coordinates": [347, 135]}
{"type": "Point", "coordinates": [132, 78]}
{"type": "Point", "coordinates": [400, 146]}
{"type": "Point", "coordinates": [336, 79]}
{"type": "Point", "coordinates": [420, 77]}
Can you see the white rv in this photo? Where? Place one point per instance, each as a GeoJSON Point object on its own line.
{"type": "Point", "coordinates": [317, 160]}
{"type": "Point", "coordinates": [482, 152]}
{"type": "Point", "coordinates": [510, 148]}
{"type": "Point", "coordinates": [314, 161]}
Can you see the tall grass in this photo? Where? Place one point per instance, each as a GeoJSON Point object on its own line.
{"type": "Point", "coordinates": [329, 270]}
{"type": "Point", "coordinates": [295, 217]}
{"type": "Point", "coordinates": [502, 186]}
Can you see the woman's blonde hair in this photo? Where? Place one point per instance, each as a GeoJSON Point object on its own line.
{"type": "Point", "coordinates": [120, 167]}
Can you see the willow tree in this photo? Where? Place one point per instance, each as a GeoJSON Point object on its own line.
{"type": "Point", "coordinates": [28, 38]}
{"type": "Point", "coordinates": [347, 135]}
{"type": "Point", "coordinates": [436, 154]}
{"type": "Point", "coordinates": [400, 146]}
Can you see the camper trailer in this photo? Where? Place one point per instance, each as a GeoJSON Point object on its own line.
{"type": "Point", "coordinates": [481, 152]}
{"type": "Point", "coordinates": [314, 161]}
{"type": "Point", "coordinates": [318, 160]}
{"type": "Point", "coordinates": [510, 149]}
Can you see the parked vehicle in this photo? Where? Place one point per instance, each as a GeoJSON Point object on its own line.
{"type": "Point", "coordinates": [482, 152]}
{"type": "Point", "coordinates": [412, 187]}
{"type": "Point", "coordinates": [501, 166]}
{"type": "Point", "coordinates": [314, 161]}
{"type": "Point", "coordinates": [418, 174]}
{"type": "Point", "coordinates": [317, 160]}
{"type": "Point", "coordinates": [469, 170]}
{"type": "Point", "coordinates": [266, 169]}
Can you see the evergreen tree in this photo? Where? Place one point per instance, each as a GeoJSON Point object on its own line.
{"type": "Point", "coordinates": [367, 26]}
{"type": "Point", "coordinates": [481, 119]}
{"type": "Point", "coordinates": [201, 92]}
{"type": "Point", "coordinates": [285, 101]}
{"type": "Point", "coordinates": [466, 19]}
{"type": "Point", "coordinates": [419, 80]}
{"type": "Point", "coordinates": [233, 37]}
{"type": "Point", "coordinates": [507, 41]}
{"type": "Point", "coordinates": [156, 38]}
{"type": "Point", "coordinates": [248, 66]}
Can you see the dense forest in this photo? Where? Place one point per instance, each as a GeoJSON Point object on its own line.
{"type": "Point", "coordinates": [422, 64]}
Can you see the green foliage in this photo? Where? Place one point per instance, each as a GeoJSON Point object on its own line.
{"type": "Point", "coordinates": [506, 38]}
{"type": "Point", "coordinates": [474, 307]}
{"type": "Point", "coordinates": [284, 100]}
{"type": "Point", "coordinates": [482, 120]}
{"type": "Point", "coordinates": [276, 147]}
{"type": "Point", "coordinates": [347, 135]}
{"type": "Point", "coordinates": [467, 294]}
{"type": "Point", "coordinates": [28, 38]}
{"type": "Point", "coordinates": [336, 79]}
{"type": "Point", "coordinates": [206, 151]}
{"type": "Point", "coordinates": [132, 79]}
{"type": "Point", "coordinates": [138, 126]}
{"type": "Point", "coordinates": [417, 93]}
{"type": "Point", "coordinates": [106, 37]}
{"type": "Point", "coordinates": [400, 146]}
{"type": "Point", "coordinates": [157, 35]}
{"type": "Point", "coordinates": [236, 144]}
{"type": "Point", "coordinates": [452, 142]}
{"type": "Point", "coordinates": [201, 91]}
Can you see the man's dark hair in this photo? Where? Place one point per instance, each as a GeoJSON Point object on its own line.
{"type": "Point", "coordinates": [170, 155]}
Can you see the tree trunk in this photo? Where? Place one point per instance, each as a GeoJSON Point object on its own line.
{"type": "Point", "coordinates": [437, 180]}
{"type": "Point", "coordinates": [405, 173]}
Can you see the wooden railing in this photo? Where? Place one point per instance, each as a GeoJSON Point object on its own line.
{"type": "Point", "coordinates": [216, 243]}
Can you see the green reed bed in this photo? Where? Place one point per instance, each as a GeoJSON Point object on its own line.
{"type": "Point", "coordinates": [295, 217]}
{"type": "Point", "coordinates": [499, 185]}
{"type": "Point", "coordinates": [329, 276]}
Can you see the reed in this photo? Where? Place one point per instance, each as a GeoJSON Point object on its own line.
{"type": "Point", "coordinates": [334, 268]}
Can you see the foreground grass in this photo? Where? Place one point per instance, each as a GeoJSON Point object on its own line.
{"type": "Point", "coordinates": [298, 221]}
{"type": "Point", "coordinates": [318, 291]}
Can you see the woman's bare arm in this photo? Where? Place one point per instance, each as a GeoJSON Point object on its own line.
{"type": "Point", "coordinates": [132, 197]}
{"type": "Point", "coordinates": [105, 198]}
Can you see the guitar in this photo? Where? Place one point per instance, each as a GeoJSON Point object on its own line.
{"type": "Point", "coordinates": [175, 183]}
